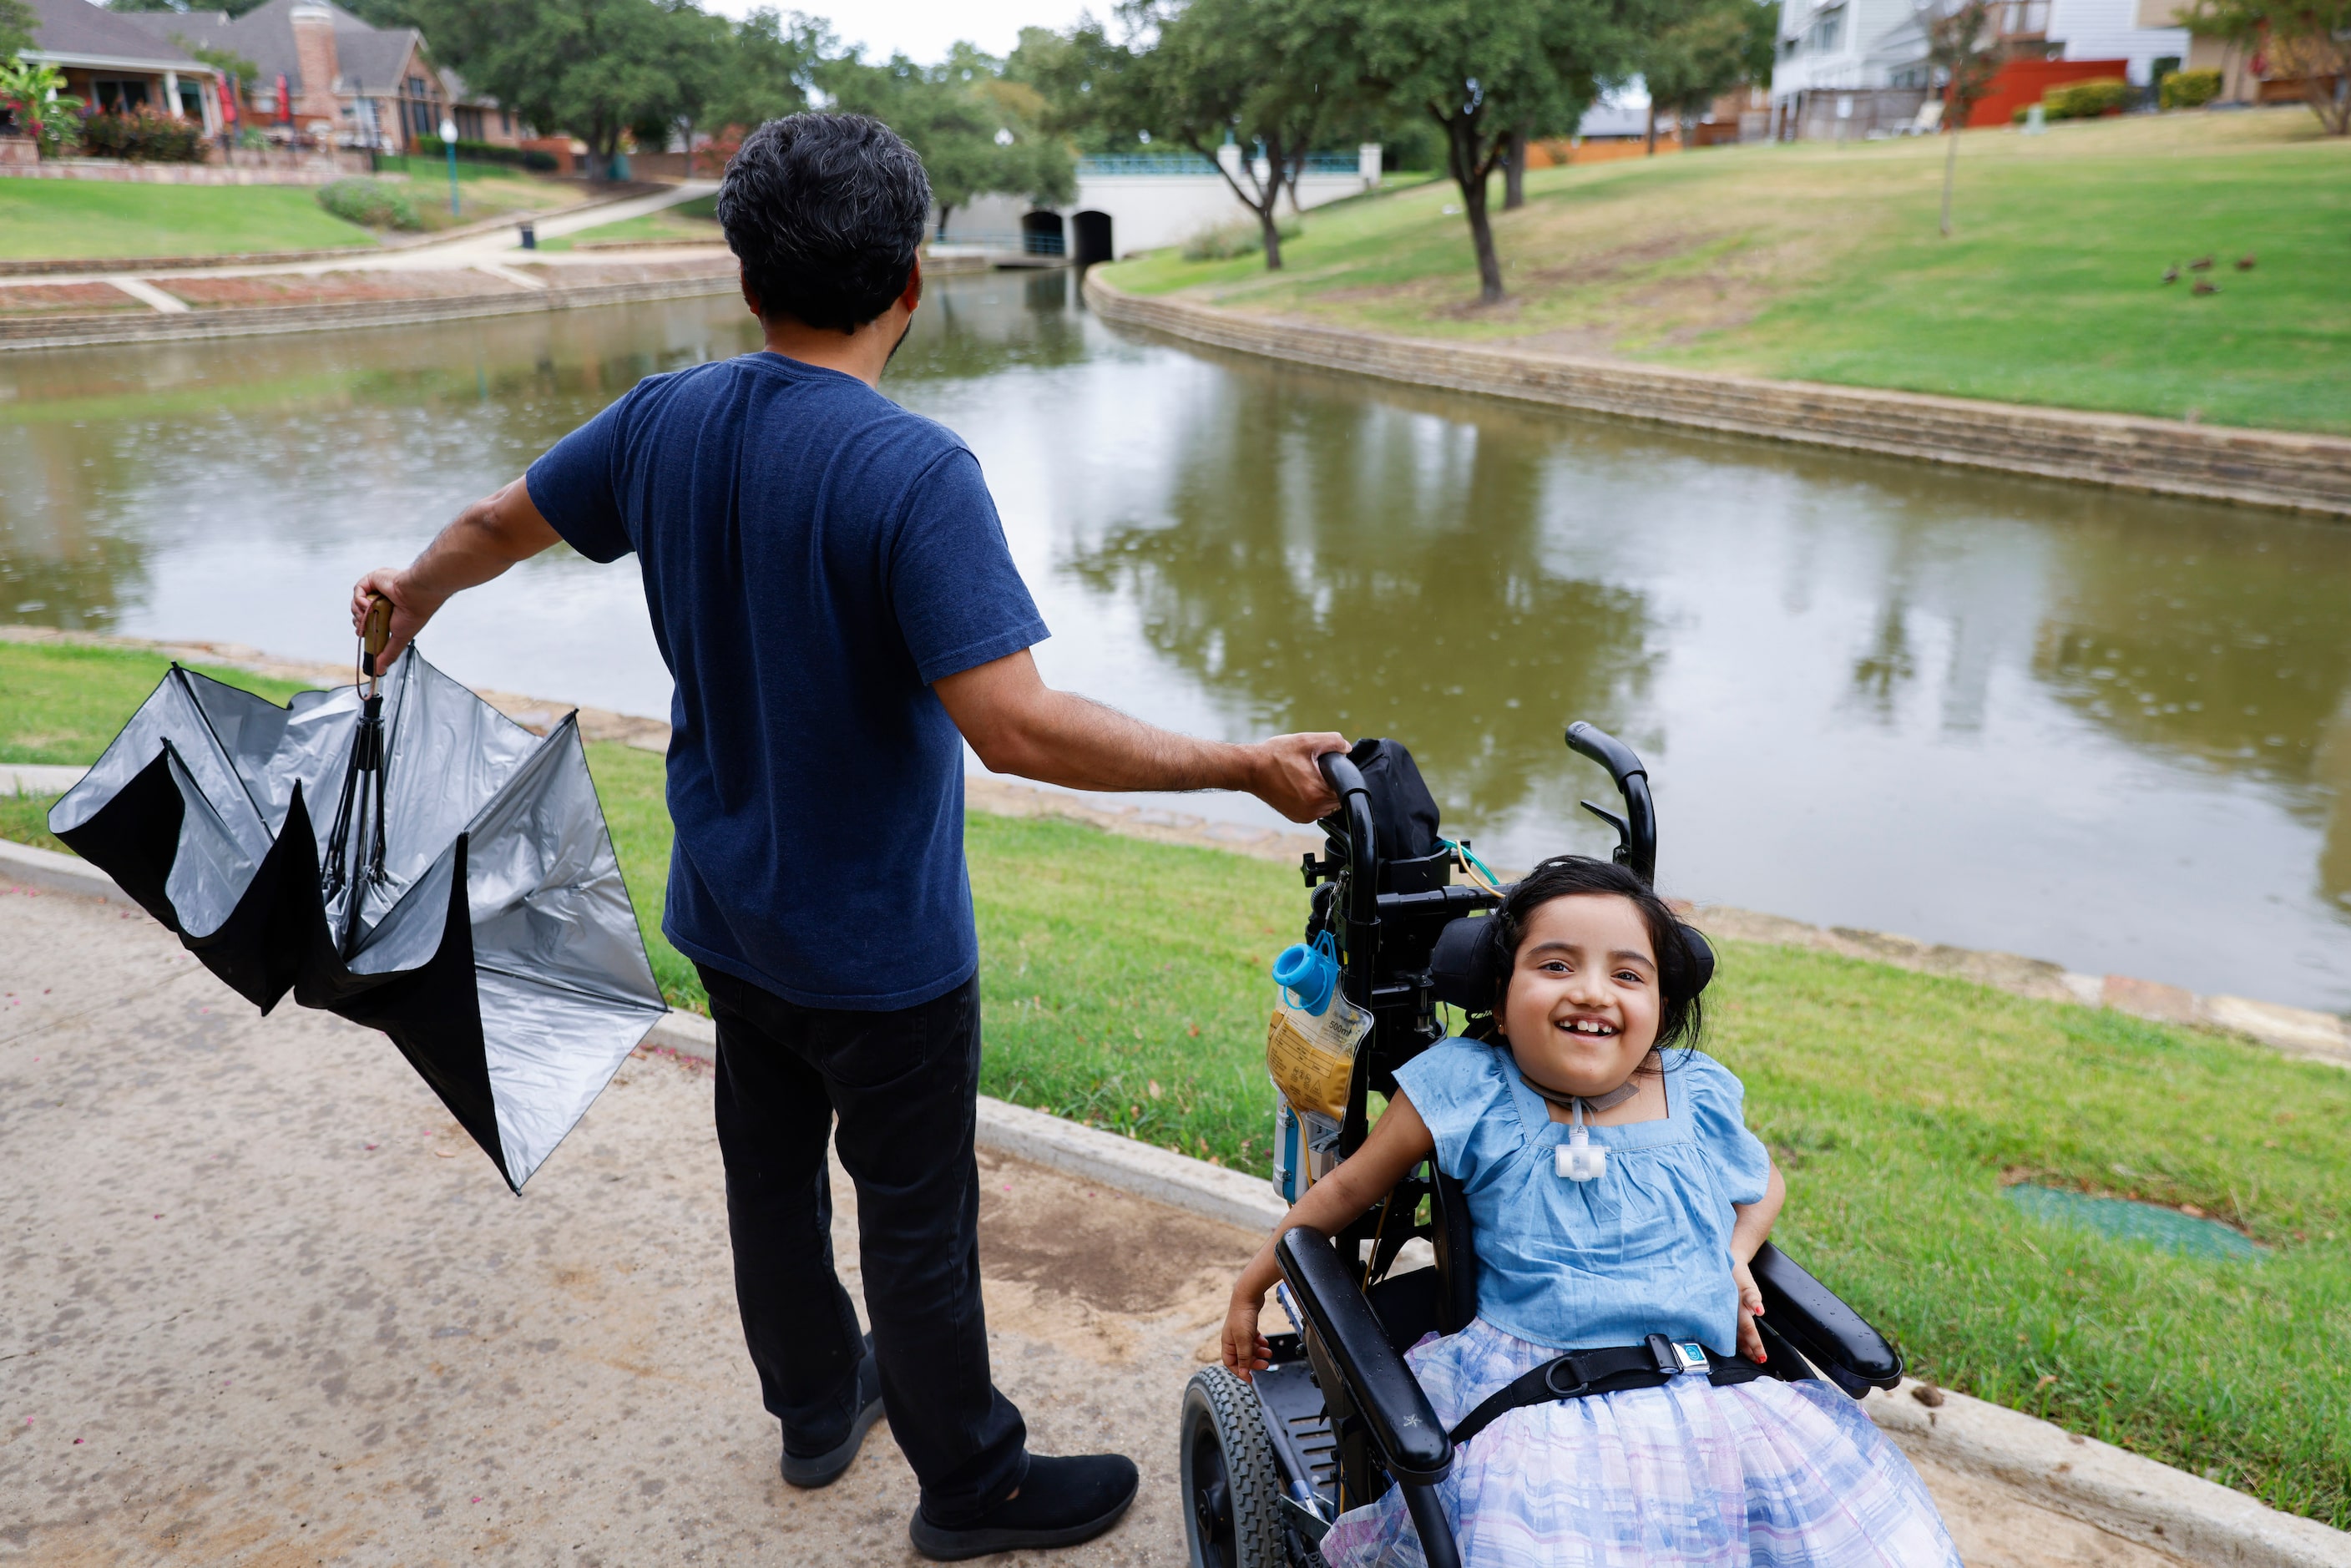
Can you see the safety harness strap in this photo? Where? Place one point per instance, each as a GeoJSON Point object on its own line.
{"type": "Point", "coordinates": [1582, 1373]}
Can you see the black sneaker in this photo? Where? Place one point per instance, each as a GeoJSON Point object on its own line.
{"type": "Point", "coordinates": [1061, 1503]}
{"type": "Point", "coordinates": [823, 1469]}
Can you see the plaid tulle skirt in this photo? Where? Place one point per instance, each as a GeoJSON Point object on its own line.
{"type": "Point", "coordinates": [1762, 1473]}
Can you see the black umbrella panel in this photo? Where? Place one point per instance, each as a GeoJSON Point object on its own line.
{"type": "Point", "coordinates": [461, 895]}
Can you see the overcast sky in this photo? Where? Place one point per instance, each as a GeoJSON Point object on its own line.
{"type": "Point", "coordinates": [922, 29]}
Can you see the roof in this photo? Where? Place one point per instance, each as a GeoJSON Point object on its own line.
{"type": "Point", "coordinates": [77, 32]}
{"type": "Point", "coordinates": [369, 59]}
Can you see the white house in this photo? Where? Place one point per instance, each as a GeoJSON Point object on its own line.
{"type": "Point", "coordinates": [1850, 68]}
{"type": "Point", "coordinates": [1129, 204]}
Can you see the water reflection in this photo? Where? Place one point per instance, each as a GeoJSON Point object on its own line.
{"type": "Point", "coordinates": [1326, 566]}
{"type": "Point", "coordinates": [2107, 730]}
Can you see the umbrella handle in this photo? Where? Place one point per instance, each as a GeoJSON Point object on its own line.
{"type": "Point", "coordinates": [374, 634]}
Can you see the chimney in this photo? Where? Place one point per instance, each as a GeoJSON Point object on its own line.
{"type": "Point", "coordinates": [314, 52]}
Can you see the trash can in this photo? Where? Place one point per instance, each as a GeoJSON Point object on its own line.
{"type": "Point", "coordinates": [530, 235]}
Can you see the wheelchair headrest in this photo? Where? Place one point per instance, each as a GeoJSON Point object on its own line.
{"type": "Point", "coordinates": [1465, 969]}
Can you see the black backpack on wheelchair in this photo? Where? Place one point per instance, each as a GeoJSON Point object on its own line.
{"type": "Point", "coordinates": [1268, 1464]}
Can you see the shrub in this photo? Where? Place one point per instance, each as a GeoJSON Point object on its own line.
{"type": "Point", "coordinates": [1225, 241]}
{"type": "Point", "coordinates": [2190, 89]}
{"type": "Point", "coordinates": [2086, 100]}
{"type": "Point", "coordinates": [143, 136]}
{"type": "Point", "coordinates": [372, 203]}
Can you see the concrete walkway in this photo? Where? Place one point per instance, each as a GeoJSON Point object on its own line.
{"type": "Point", "coordinates": [464, 251]}
{"type": "Point", "coordinates": [262, 1302]}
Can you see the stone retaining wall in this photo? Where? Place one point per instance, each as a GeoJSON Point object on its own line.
{"type": "Point", "coordinates": [2250, 467]}
{"type": "Point", "coordinates": [80, 331]}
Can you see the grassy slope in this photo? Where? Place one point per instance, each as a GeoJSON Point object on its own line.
{"type": "Point", "coordinates": [1898, 1104]}
{"type": "Point", "coordinates": [1823, 262]}
{"type": "Point", "coordinates": [695, 220]}
{"type": "Point", "coordinates": [100, 218]}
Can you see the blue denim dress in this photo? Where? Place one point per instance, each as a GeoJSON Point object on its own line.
{"type": "Point", "coordinates": [1643, 1248]}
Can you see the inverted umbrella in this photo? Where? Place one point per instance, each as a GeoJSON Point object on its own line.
{"type": "Point", "coordinates": [460, 895]}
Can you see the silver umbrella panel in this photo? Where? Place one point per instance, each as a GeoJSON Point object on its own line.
{"type": "Point", "coordinates": [411, 859]}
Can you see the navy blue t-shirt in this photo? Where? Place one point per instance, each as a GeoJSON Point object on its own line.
{"type": "Point", "coordinates": [814, 557]}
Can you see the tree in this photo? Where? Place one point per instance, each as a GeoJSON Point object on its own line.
{"type": "Point", "coordinates": [591, 69]}
{"type": "Point", "coordinates": [976, 133]}
{"type": "Point", "coordinates": [1963, 48]}
{"type": "Point", "coordinates": [35, 95]}
{"type": "Point", "coordinates": [2310, 40]}
{"type": "Point", "coordinates": [15, 29]}
{"type": "Point", "coordinates": [1480, 70]}
{"type": "Point", "coordinates": [1265, 74]}
{"type": "Point", "coordinates": [1089, 83]}
{"type": "Point", "coordinates": [1720, 44]}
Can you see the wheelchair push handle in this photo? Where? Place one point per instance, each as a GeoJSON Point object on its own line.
{"type": "Point", "coordinates": [1637, 830]}
{"type": "Point", "coordinates": [1338, 771]}
{"type": "Point", "coordinates": [1604, 749]}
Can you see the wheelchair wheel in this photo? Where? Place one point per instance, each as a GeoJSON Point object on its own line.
{"type": "Point", "coordinates": [1230, 1481]}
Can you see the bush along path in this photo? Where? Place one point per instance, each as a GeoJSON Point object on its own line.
{"type": "Point", "coordinates": [1124, 983]}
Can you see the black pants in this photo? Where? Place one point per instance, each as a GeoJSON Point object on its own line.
{"type": "Point", "coordinates": [904, 1085]}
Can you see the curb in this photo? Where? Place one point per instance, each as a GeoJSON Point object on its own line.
{"type": "Point", "coordinates": [2239, 465]}
{"type": "Point", "coordinates": [2120, 1493]}
{"type": "Point", "coordinates": [269, 320]}
{"type": "Point", "coordinates": [1176, 1180]}
{"type": "Point", "coordinates": [142, 266]}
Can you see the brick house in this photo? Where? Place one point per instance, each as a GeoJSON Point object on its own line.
{"type": "Point", "coordinates": [112, 64]}
{"type": "Point", "coordinates": [363, 85]}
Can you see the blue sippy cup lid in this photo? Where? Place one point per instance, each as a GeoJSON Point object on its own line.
{"type": "Point", "coordinates": [1308, 974]}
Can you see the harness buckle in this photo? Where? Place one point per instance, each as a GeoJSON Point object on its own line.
{"type": "Point", "coordinates": [1690, 1354]}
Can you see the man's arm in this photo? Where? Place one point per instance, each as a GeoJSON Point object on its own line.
{"type": "Point", "coordinates": [1019, 725]}
{"type": "Point", "coordinates": [486, 538]}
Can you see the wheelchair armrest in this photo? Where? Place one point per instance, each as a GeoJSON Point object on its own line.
{"type": "Point", "coordinates": [1412, 1443]}
{"type": "Point", "coordinates": [1855, 1356]}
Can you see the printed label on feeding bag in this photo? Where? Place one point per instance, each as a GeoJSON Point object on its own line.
{"type": "Point", "coordinates": [1311, 1058]}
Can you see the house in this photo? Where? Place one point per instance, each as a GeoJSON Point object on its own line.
{"type": "Point", "coordinates": [112, 64]}
{"type": "Point", "coordinates": [358, 84]}
{"type": "Point", "coordinates": [1850, 69]}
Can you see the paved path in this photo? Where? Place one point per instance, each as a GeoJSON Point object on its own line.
{"type": "Point", "coordinates": [500, 244]}
{"type": "Point", "coordinates": [262, 1302]}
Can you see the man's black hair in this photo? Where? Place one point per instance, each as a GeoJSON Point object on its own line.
{"type": "Point", "coordinates": [826, 214]}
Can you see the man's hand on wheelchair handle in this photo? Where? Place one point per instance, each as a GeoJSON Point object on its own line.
{"type": "Point", "coordinates": [1291, 781]}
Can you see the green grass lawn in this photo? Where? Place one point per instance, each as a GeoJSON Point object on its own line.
{"type": "Point", "coordinates": [1125, 987]}
{"type": "Point", "coordinates": [1824, 262]}
{"type": "Point", "coordinates": [695, 220]}
{"type": "Point", "coordinates": [40, 218]}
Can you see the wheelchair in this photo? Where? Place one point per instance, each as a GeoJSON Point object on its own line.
{"type": "Point", "coordinates": [1268, 1464]}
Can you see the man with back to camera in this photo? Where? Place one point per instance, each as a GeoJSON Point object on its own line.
{"type": "Point", "coordinates": [831, 589]}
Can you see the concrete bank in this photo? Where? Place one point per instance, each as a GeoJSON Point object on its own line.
{"type": "Point", "coordinates": [86, 331]}
{"type": "Point", "coordinates": [2249, 467]}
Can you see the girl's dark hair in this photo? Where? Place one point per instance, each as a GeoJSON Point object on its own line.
{"type": "Point", "coordinates": [825, 211]}
{"type": "Point", "coordinates": [1681, 1017]}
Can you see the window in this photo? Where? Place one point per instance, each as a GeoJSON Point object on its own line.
{"type": "Point", "coordinates": [1826, 34]}
{"type": "Point", "coordinates": [120, 95]}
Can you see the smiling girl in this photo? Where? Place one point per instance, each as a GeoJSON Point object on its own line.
{"type": "Point", "coordinates": [1614, 1193]}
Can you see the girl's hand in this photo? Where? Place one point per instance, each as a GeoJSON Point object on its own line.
{"type": "Point", "coordinates": [1246, 1350]}
{"type": "Point", "coordinates": [1750, 1307]}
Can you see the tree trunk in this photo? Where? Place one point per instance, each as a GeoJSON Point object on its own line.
{"type": "Point", "coordinates": [1463, 144]}
{"type": "Point", "coordinates": [1514, 172]}
{"type": "Point", "coordinates": [1272, 230]}
{"type": "Point", "coordinates": [1950, 171]}
{"type": "Point", "coordinates": [2331, 102]}
{"type": "Point", "coordinates": [1652, 152]}
{"type": "Point", "coordinates": [944, 209]}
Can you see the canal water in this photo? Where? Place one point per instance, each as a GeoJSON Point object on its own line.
{"type": "Point", "coordinates": [2089, 727]}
